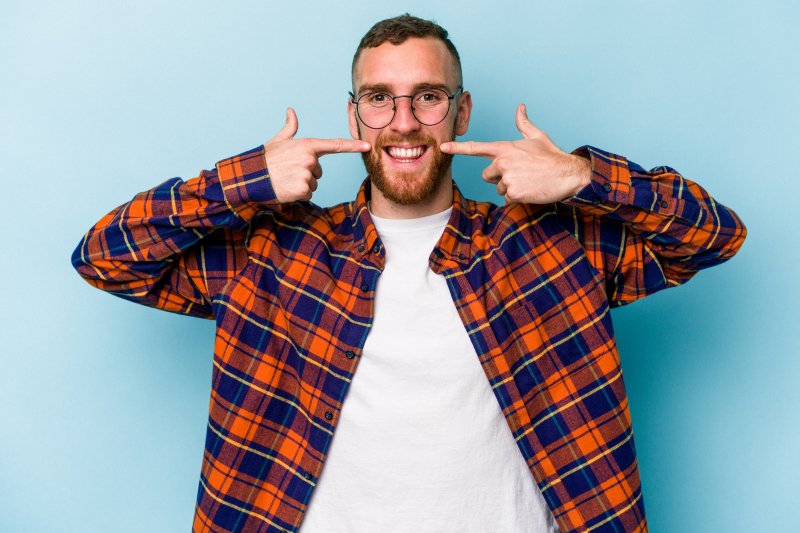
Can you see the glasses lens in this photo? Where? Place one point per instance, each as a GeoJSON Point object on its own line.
{"type": "Point", "coordinates": [430, 106]}
{"type": "Point", "coordinates": [376, 110]}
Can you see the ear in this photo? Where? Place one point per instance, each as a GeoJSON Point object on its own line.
{"type": "Point", "coordinates": [462, 116]}
{"type": "Point", "coordinates": [353, 119]}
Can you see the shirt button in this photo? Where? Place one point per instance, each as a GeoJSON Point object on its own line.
{"type": "Point", "coordinates": [364, 287]}
{"type": "Point", "coordinates": [607, 187]}
{"type": "Point", "coordinates": [360, 247]}
{"type": "Point", "coordinates": [462, 256]}
{"type": "Point", "coordinates": [349, 354]}
{"type": "Point", "coordinates": [307, 475]}
{"type": "Point", "coordinates": [376, 248]}
{"type": "Point", "coordinates": [664, 204]}
{"type": "Point", "coordinates": [328, 415]}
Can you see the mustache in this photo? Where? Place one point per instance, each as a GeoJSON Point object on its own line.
{"type": "Point", "coordinates": [415, 138]}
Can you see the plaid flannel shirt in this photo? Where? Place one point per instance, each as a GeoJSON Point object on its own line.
{"type": "Point", "coordinates": [291, 289]}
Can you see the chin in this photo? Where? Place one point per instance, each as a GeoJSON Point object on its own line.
{"type": "Point", "coordinates": [407, 188]}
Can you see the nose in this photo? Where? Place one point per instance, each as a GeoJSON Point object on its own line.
{"type": "Point", "coordinates": [404, 120]}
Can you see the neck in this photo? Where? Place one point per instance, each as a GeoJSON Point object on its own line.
{"type": "Point", "coordinates": [440, 200]}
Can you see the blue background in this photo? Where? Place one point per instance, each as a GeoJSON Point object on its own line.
{"type": "Point", "coordinates": [103, 403]}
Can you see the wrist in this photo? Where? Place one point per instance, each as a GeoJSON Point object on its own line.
{"type": "Point", "coordinates": [581, 174]}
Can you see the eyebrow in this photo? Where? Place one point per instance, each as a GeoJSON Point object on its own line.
{"type": "Point", "coordinates": [383, 88]}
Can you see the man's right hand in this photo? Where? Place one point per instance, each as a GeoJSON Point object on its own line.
{"type": "Point", "coordinates": [293, 164]}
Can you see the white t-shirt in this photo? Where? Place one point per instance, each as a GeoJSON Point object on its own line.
{"type": "Point", "coordinates": [421, 444]}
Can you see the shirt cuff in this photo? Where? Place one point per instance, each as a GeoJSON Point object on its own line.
{"type": "Point", "coordinates": [245, 182]}
{"type": "Point", "coordinates": [610, 180]}
{"type": "Point", "coordinates": [617, 182]}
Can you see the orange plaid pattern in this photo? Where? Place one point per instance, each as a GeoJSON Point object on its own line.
{"type": "Point", "coordinates": [291, 290]}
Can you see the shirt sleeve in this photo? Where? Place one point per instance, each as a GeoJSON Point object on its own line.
{"type": "Point", "coordinates": [647, 230]}
{"type": "Point", "coordinates": [177, 245]}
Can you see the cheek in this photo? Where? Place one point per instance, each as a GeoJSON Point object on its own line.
{"type": "Point", "coordinates": [371, 136]}
{"type": "Point", "coordinates": [446, 133]}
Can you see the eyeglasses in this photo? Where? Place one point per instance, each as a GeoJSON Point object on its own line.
{"type": "Point", "coordinates": [429, 106]}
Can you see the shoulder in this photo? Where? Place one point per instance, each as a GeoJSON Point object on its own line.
{"type": "Point", "coordinates": [305, 218]}
{"type": "Point", "coordinates": [498, 221]}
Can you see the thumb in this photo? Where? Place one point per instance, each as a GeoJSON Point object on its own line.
{"type": "Point", "coordinates": [524, 125]}
{"type": "Point", "coordinates": [289, 129]}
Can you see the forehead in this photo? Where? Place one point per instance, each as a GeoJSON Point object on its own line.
{"type": "Point", "coordinates": [400, 67]}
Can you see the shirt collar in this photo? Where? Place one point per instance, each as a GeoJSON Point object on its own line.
{"type": "Point", "coordinates": [455, 245]}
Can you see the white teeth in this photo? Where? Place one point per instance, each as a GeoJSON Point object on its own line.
{"type": "Point", "coordinates": [406, 153]}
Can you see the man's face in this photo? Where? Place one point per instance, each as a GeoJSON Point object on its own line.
{"type": "Point", "coordinates": [405, 163]}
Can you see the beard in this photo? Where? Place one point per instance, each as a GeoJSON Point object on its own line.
{"type": "Point", "coordinates": [408, 188]}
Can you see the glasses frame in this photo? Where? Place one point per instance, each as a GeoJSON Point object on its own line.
{"type": "Point", "coordinates": [450, 98]}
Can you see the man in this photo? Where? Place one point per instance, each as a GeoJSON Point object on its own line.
{"type": "Point", "coordinates": [489, 394]}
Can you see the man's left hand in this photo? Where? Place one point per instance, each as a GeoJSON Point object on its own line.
{"type": "Point", "coordinates": [531, 170]}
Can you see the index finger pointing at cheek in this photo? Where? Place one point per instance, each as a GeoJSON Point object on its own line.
{"type": "Point", "coordinates": [471, 148]}
{"type": "Point", "coordinates": [338, 146]}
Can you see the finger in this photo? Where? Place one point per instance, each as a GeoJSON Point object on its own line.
{"type": "Point", "coordinates": [501, 188]}
{"type": "Point", "coordinates": [491, 173]}
{"type": "Point", "coordinates": [524, 124]}
{"type": "Point", "coordinates": [313, 184]}
{"type": "Point", "coordinates": [490, 149]}
{"type": "Point", "coordinates": [289, 129]}
{"type": "Point", "coordinates": [316, 171]}
{"type": "Point", "coordinates": [338, 146]}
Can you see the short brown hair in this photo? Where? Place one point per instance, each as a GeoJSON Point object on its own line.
{"type": "Point", "coordinates": [397, 29]}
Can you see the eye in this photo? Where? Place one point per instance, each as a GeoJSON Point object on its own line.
{"type": "Point", "coordinates": [429, 97]}
{"type": "Point", "coordinates": [376, 99]}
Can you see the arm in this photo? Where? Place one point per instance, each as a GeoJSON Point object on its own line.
{"type": "Point", "coordinates": [643, 231]}
{"type": "Point", "coordinates": [174, 246]}
{"type": "Point", "coordinates": [647, 230]}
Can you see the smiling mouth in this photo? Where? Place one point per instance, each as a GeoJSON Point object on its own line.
{"type": "Point", "coordinates": [403, 154]}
